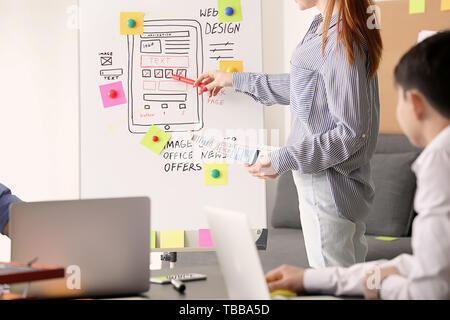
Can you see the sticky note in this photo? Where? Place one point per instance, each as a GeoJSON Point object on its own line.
{"type": "Point", "coordinates": [283, 293]}
{"type": "Point", "coordinates": [171, 238]}
{"type": "Point", "coordinates": [222, 5]}
{"type": "Point", "coordinates": [155, 139]}
{"type": "Point", "coordinates": [416, 6]}
{"type": "Point", "coordinates": [231, 66]}
{"type": "Point", "coordinates": [137, 17]}
{"type": "Point", "coordinates": [152, 239]}
{"type": "Point", "coordinates": [205, 238]}
{"type": "Point", "coordinates": [445, 5]}
{"type": "Point", "coordinates": [119, 97]}
{"type": "Point", "coordinates": [386, 238]}
{"type": "Point", "coordinates": [211, 177]}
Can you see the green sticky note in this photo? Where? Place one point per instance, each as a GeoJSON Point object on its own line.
{"type": "Point", "coordinates": [171, 238]}
{"type": "Point", "coordinates": [152, 239]}
{"type": "Point", "coordinates": [155, 139]}
{"type": "Point", "coordinates": [416, 6]}
{"type": "Point", "coordinates": [222, 8]}
{"type": "Point", "coordinates": [386, 238]}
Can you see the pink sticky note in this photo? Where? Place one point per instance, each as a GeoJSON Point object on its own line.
{"type": "Point", "coordinates": [205, 238]}
{"type": "Point", "coordinates": [115, 99]}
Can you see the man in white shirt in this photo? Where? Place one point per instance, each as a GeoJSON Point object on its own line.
{"type": "Point", "coordinates": [423, 79]}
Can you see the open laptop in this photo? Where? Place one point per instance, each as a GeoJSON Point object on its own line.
{"type": "Point", "coordinates": [103, 244]}
{"type": "Point", "coordinates": [238, 257]}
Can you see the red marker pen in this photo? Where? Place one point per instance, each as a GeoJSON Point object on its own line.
{"type": "Point", "coordinates": [189, 81]}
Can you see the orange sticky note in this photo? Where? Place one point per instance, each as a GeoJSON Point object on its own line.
{"type": "Point", "coordinates": [231, 66]}
{"type": "Point", "coordinates": [445, 5]}
{"type": "Point", "coordinates": [131, 23]}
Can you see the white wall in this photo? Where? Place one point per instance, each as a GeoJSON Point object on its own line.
{"type": "Point", "coordinates": [39, 86]}
{"type": "Point", "coordinates": [39, 101]}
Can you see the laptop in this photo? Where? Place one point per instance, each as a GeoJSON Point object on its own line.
{"type": "Point", "coordinates": [238, 257]}
{"type": "Point", "coordinates": [104, 245]}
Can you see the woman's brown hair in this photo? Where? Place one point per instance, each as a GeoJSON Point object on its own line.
{"type": "Point", "coordinates": [352, 15]}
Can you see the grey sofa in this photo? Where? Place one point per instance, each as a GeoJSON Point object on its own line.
{"type": "Point", "coordinates": [392, 213]}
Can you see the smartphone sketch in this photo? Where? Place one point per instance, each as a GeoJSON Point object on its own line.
{"type": "Point", "coordinates": [167, 47]}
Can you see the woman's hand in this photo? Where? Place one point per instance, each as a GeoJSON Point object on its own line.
{"type": "Point", "coordinates": [262, 169]}
{"type": "Point", "coordinates": [286, 278]}
{"type": "Point", "coordinates": [215, 81]}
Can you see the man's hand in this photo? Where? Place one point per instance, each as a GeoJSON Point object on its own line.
{"type": "Point", "coordinates": [6, 230]}
{"type": "Point", "coordinates": [262, 164]}
{"type": "Point", "coordinates": [286, 278]}
{"type": "Point", "coordinates": [374, 294]}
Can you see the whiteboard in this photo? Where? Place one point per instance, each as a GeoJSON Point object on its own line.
{"type": "Point", "coordinates": [113, 162]}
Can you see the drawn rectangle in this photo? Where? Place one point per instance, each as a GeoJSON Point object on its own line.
{"type": "Point", "coordinates": [106, 61]}
{"type": "Point", "coordinates": [151, 46]}
{"type": "Point", "coordinates": [146, 73]}
{"type": "Point", "coordinates": [165, 97]}
{"type": "Point", "coordinates": [150, 85]}
{"type": "Point", "coordinates": [171, 34]}
{"type": "Point", "coordinates": [159, 73]}
{"type": "Point", "coordinates": [148, 61]}
{"type": "Point", "coordinates": [111, 72]}
{"type": "Point", "coordinates": [169, 73]}
{"type": "Point", "coordinates": [172, 86]}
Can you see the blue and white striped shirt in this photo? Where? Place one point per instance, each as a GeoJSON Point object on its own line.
{"type": "Point", "coordinates": [335, 116]}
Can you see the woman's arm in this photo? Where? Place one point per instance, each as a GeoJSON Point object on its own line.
{"type": "Point", "coordinates": [264, 88]}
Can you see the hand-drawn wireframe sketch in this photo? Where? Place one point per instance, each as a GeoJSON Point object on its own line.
{"type": "Point", "coordinates": [167, 47]}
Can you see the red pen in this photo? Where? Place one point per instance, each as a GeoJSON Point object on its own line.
{"type": "Point", "coordinates": [189, 81]}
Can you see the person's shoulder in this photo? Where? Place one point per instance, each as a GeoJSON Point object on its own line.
{"type": "Point", "coordinates": [4, 189]}
{"type": "Point", "coordinates": [435, 164]}
{"type": "Point", "coordinates": [336, 53]}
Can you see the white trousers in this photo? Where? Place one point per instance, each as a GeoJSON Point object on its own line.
{"type": "Point", "coordinates": [330, 238]}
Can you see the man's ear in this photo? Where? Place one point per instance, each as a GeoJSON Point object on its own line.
{"type": "Point", "coordinates": [417, 102]}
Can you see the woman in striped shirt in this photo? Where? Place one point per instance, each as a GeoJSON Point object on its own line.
{"type": "Point", "coordinates": [332, 90]}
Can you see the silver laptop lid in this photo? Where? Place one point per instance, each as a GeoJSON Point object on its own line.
{"type": "Point", "coordinates": [105, 242]}
{"type": "Point", "coordinates": [237, 255]}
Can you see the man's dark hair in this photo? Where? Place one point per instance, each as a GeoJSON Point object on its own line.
{"type": "Point", "coordinates": [426, 68]}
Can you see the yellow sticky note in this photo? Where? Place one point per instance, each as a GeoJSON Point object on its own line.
{"type": "Point", "coordinates": [283, 293]}
{"type": "Point", "coordinates": [155, 139]}
{"type": "Point", "coordinates": [445, 5]}
{"type": "Point", "coordinates": [416, 6]}
{"type": "Point", "coordinates": [171, 238]}
{"type": "Point", "coordinates": [152, 239]}
{"type": "Point", "coordinates": [131, 23]}
{"type": "Point", "coordinates": [386, 238]}
{"type": "Point", "coordinates": [216, 174]}
{"type": "Point", "coordinates": [231, 66]}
